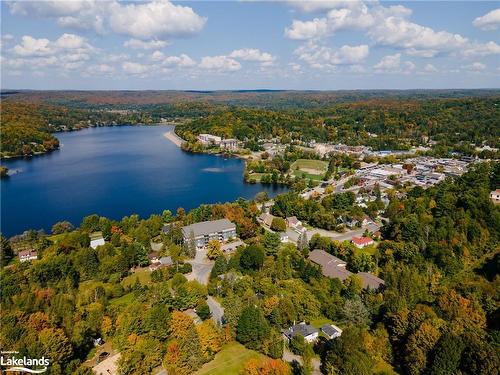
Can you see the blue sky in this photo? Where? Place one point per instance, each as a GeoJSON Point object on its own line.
{"type": "Point", "coordinates": [324, 45]}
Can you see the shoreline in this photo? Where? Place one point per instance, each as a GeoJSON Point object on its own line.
{"type": "Point", "coordinates": [174, 138]}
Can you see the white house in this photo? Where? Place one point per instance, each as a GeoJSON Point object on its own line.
{"type": "Point", "coordinates": [307, 331]}
{"type": "Point", "coordinates": [27, 255]}
{"type": "Point", "coordinates": [331, 331]}
{"type": "Point", "coordinates": [495, 196]}
{"type": "Point", "coordinates": [96, 239]}
{"type": "Point", "coordinates": [361, 242]}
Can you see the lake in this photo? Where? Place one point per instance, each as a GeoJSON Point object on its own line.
{"type": "Point", "coordinates": [116, 172]}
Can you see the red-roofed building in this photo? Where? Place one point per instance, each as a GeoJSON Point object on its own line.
{"type": "Point", "coordinates": [361, 242]}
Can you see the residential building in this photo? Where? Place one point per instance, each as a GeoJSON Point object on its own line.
{"type": "Point", "coordinates": [361, 242]}
{"type": "Point", "coordinates": [266, 219]}
{"type": "Point", "coordinates": [154, 257]}
{"type": "Point", "coordinates": [331, 331]}
{"type": "Point", "coordinates": [27, 255]}
{"type": "Point", "coordinates": [229, 144]}
{"type": "Point", "coordinates": [495, 196]}
{"type": "Point", "coordinates": [307, 331]}
{"type": "Point", "coordinates": [221, 230]}
{"type": "Point", "coordinates": [293, 222]}
{"type": "Point", "coordinates": [166, 261]}
{"type": "Point", "coordinates": [283, 237]}
{"type": "Point", "coordinates": [331, 266]}
{"type": "Point", "coordinates": [370, 281]}
{"type": "Point", "coordinates": [96, 239]}
{"type": "Point", "coordinates": [209, 139]}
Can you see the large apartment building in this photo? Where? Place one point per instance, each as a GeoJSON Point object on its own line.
{"type": "Point", "coordinates": [221, 230]}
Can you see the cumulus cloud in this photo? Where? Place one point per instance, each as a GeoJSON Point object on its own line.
{"type": "Point", "coordinates": [429, 68]}
{"type": "Point", "coordinates": [181, 61]}
{"type": "Point", "coordinates": [389, 26]}
{"type": "Point", "coordinates": [154, 20]}
{"type": "Point", "coordinates": [141, 44]}
{"type": "Point", "coordinates": [389, 63]}
{"type": "Point", "coordinates": [157, 19]}
{"type": "Point", "coordinates": [32, 47]}
{"type": "Point", "coordinates": [319, 56]}
{"type": "Point", "coordinates": [475, 67]}
{"type": "Point", "coordinates": [134, 67]}
{"type": "Point", "coordinates": [490, 21]}
{"type": "Point", "coordinates": [220, 64]}
{"type": "Point", "coordinates": [252, 54]}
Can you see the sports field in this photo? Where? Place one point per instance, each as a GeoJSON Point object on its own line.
{"type": "Point", "coordinates": [312, 169]}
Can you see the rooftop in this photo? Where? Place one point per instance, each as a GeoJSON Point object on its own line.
{"type": "Point", "coordinates": [96, 236]}
{"type": "Point", "coordinates": [207, 227]}
{"type": "Point", "coordinates": [331, 266]}
{"type": "Point", "coordinates": [362, 240]}
{"type": "Point", "coordinates": [371, 281]}
{"type": "Point", "coordinates": [300, 329]}
{"type": "Point", "coordinates": [331, 329]}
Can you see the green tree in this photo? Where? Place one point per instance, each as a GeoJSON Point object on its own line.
{"type": "Point", "coordinates": [62, 227]}
{"type": "Point", "coordinates": [214, 249]}
{"type": "Point", "coordinates": [253, 328]}
{"type": "Point", "coordinates": [6, 253]}
{"type": "Point", "coordinates": [271, 242]}
{"type": "Point", "coordinates": [252, 258]}
{"type": "Point", "coordinates": [278, 224]}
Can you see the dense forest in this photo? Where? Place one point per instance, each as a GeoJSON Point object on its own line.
{"type": "Point", "coordinates": [379, 123]}
{"type": "Point", "coordinates": [439, 312]}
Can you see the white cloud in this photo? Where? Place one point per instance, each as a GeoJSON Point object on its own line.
{"type": "Point", "coordinates": [140, 44]}
{"type": "Point", "coordinates": [220, 64]}
{"type": "Point", "coordinates": [72, 41]}
{"type": "Point", "coordinates": [318, 56]}
{"type": "Point", "coordinates": [153, 20]}
{"type": "Point", "coordinates": [475, 67]}
{"type": "Point", "coordinates": [252, 54]}
{"type": "Point", "coordinates": [157, 19]}
{"type": "Point", "coordinates": [388, 26]}
{"type": "Point", "coordinates": [134, 68]}
{"type": "Point", "coordinates": [181, 61]}
{"type": "Point", "coordinates": [490, 21]}
{"type": "Point", "coordinates": [429, 68]}
{"type": "Point", "coordinates": [389, 63]}
{"type": "Point", "coordinates": [33, 47]}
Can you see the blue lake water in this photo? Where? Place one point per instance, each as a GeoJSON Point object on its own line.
{"type": "Point", "coordinates": [115, 172]}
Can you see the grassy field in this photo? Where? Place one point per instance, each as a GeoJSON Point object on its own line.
{"type": "Point", "coordinates": [229, 361]}
{"type": "Point", "coordinates": [310, 166]}
{"type": "Point", "coordinates": [317, 323]}
{"type": "Point", "coordinates": [256, 177]}
{"type": "Point", "coordinates": [124, 300]}
{"type": "Point", "coordinates": [144, 277]}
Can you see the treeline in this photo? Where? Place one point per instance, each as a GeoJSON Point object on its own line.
{"type": "Point", "coordinates": [379, 123]}
{"type": "Point", "coordinates": [26, 127]}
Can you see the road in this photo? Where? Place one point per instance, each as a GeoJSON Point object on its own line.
{"type": "Point", "coordinates": [216, 309]}
{"type": "Point", "coordinates": [202, 266]}
{"type": "Point", "coordinates": [346, 236]}
{"type": "Point", "coordinates": [289, 357]}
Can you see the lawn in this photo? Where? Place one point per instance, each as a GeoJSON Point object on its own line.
{"type": "Point", "coordinates": [144, 277]}
{"type": "Point", "coordinates": [317, 323]}
{"type": "Point", "coordinates": [370, 250]}
{"type": "Point", "coordinates": [317, 177]}
{"type": "Point", "coordinates": [230, 360]}
{"type": "Point", "coordinates": [310, 166]}
{"type": "Point", "coordinates": [124, 300]}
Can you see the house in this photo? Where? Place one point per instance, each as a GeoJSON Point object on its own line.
{"type": "Point", "coordinates": [331, 331]}
{"type": "Point", "coordinates": [293, 222]}
{"type": "Point", "coordinates": [307, 331]}
{"type": "Point", "coordinates": [209, 139]}
{"type": "Point", "coordinates": [96, 239]}
{"type": "Point", "coordinates": [27, 255]}
{"type": "Point", "coordinates": [361, 242]}
{"type": "Point", "coordinates": [331, 266]}
{"type": "Point", "coordinates": [166, 228]}
{"type": "Point", "coordinates": [370, 281]}
{"type": "Point", "coordinates": [495, 196]}
{"type": "Point", "coordinates": [229, 144]}
{"type": "Point", "coordinates": [221, 230]}
{"type": "Point", "coordinates": [154, 257]}
{"type": "Point", "coordinates": [283, 236]}
{"type": "Point", "coordinates": [266, 219]}
{"type": "Point", "coordinates": [166, 261]}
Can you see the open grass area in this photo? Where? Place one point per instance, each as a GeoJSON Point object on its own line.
{"type": "Point", "coordinates": [310, 166]}
{"type": "Point", "coordinates": [124, 300]}
{"type": "Point", "coordinates": [317, 323]}
{"type": "Point", "coordinates": [317, 177]}
{"type": "Point", "coordinates": [144, 277]}
{"type": "Point", "coordinates": [229, 361]}
{"type": "Point", "coordinates": [370, 250]}
{"type": "Point", "coordinates": [256, 177]}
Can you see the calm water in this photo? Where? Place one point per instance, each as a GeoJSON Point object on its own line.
{"type": "Point", "coordinates": [115, 172]}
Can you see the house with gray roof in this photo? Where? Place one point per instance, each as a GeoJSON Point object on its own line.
{"type": "Point", "coordinates": [331, 331]}
{"type": "Point", "coordinates": [221, 230]}
{"type": "Point", "coordinates": [307, 331]}
{"type": "Point", "coordinates": [371, 281]}
{"type": "Point", "coordinates": [331, 266]}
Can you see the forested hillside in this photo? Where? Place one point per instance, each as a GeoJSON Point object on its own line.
{"type": "Point", "coordinates": [439, 313]}
{"type": "Point", "coordinates": [382, 124]}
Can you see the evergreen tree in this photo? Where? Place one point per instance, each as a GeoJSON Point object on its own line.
{"type": "Point", "coordinates": [253, 328]}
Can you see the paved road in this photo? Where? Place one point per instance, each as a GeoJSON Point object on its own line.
{"type": "Point", "coordinates": [202, 267]}
{"type": "Point", "coordinates": [216, 309]}
{"type": "Point", "coordinates": [346, 236]}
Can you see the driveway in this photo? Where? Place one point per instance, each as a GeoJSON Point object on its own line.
{"type": "Point", "coordinates": [289, 357]}
{"type": "Point", "coordinates": [202, 266]}
{"type": "Point", "coordinates": [216, 309]}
